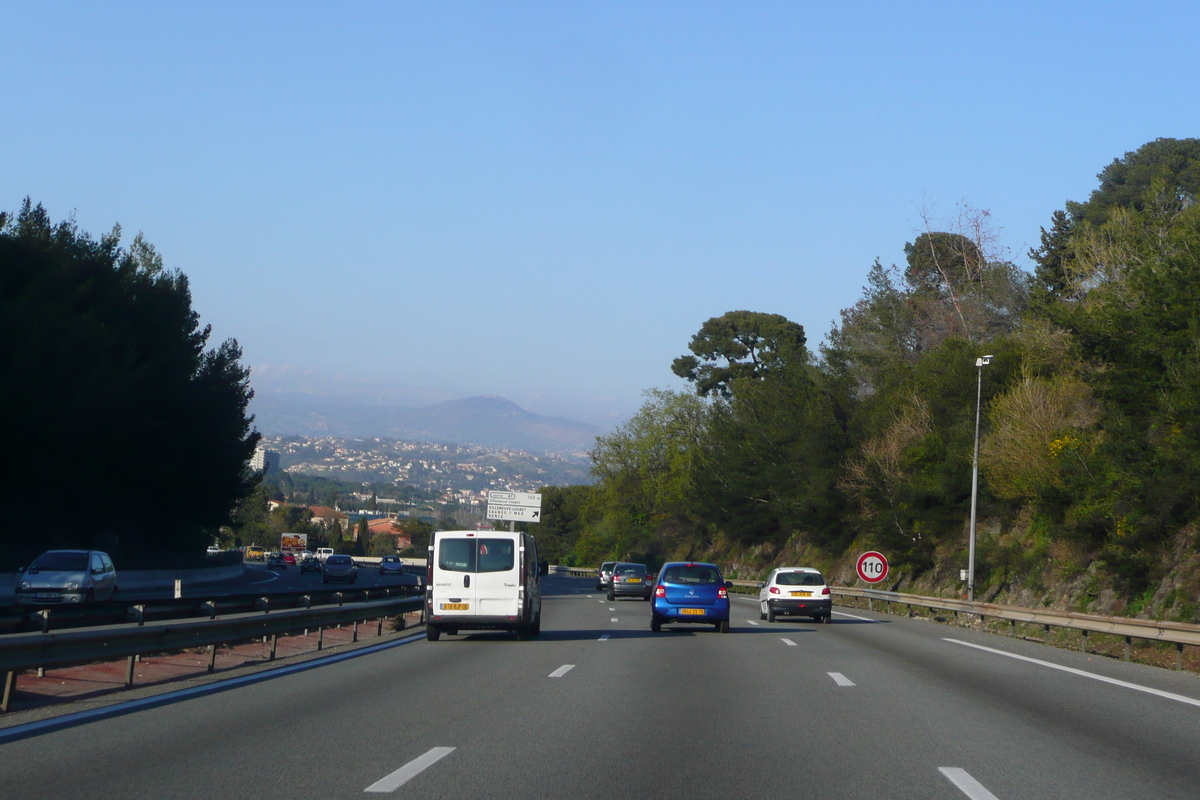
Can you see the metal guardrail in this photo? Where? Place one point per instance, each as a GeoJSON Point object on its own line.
{"type": "Point", "coordinates": [1177, 633]}
{"type": "Point", "coordinates": [574, 572]}
{"type": "Point", "coordinates": [37, 650]}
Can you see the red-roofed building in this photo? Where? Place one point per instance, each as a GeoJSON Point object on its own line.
{"type": "Point", "coordinates": [387, 525]}
{"type": "Point", "coordinates": [324, 515]}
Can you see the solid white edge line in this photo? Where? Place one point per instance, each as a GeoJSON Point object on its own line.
{"type": "Point", "coordinates": [1115, 682]}
{"type": "Point", "coordinates": [603, 638]}
{"type": "Point", "coordinates": [563, 670]}
{"type": "Point", "coordinates": [789, 642]}
{"type": "Point", "coordinates": [854, 616]}
{"type": "Point", "coordinates": [840, 679]}
{"type": "Point", "coordinates": [966, 784]}
{"type": "Point", "coordinates": [167, 698]}
{"type": "Point", "coordinates": [410, 770]}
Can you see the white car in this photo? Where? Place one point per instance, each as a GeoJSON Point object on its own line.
{"type": "Point", "coordinates": [59, 577]}
{"type": "Point", "coordinates": [795, 591]}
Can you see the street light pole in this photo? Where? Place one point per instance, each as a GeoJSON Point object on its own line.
{"type": "Point", "coordinates": [980, 363]}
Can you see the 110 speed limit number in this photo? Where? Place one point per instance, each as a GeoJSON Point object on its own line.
{"type": "Point", "coordinates": [872, 567]}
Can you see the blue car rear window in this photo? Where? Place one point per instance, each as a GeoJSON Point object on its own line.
{"type": "Point", "coordinates": [691, 575]}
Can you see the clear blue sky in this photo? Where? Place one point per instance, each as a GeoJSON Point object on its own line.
{"type": "Point", "coordinates": [417, 202]}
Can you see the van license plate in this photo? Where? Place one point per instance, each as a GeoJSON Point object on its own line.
{"type": "Point", "coordinates": [801, 594]}
{"type": "Point", "coordinates": [692, 611]}
{"type": "Point", "coordinates": [456, 606]}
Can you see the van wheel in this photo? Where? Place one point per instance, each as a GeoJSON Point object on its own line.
{"type": "Point", "coordinates": [432, 633]}
{"type": "Point", "coordinates": [536, 628]}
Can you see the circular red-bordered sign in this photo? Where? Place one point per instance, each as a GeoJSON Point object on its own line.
{"type": "Point", "coordinates": [872, 567]}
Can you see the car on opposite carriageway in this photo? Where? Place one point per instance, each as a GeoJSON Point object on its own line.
{"type": "Point", "coordinates": [690, 592]}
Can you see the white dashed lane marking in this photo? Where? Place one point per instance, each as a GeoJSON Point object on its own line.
{"type": "Point", "coordinates": [563, 670]}
{"type": "Point", "coordinates": [788, 642]}
{"type": "Point", "coordinates": [840, 679]}
{"type": "Point", "coordinates": [752, 622]}
{"type": "Point", "coordinates": [410, 770]}
{"type": "Point", "coordinates": [966, 784]}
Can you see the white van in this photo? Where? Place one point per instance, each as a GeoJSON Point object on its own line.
{"type": "Point", "coordinates": [482, 580]}
{"type": "Point", "coordinates": [324, 553]}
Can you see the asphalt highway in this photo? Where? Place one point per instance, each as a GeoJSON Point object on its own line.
{"type": "Point", "coordinates": [869, 706]}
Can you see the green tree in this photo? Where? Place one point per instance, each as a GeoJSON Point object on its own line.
{"type": "Point", "coordinates": [104, 358]}
{"type": "Point", "coordinates": [739, 344]}
{"type": "Point", "coordinates": [361, 537]}
{"type": "Point", "coordinates": [383, 544]}
{"type": "Point", "coordinates": [335, 536]}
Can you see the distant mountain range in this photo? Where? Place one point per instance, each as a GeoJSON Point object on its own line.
{"type": "Point", "coordinates": [486, 421]}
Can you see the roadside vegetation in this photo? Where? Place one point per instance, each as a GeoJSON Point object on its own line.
{"type": "Point", "coordinates": [1090, 462]}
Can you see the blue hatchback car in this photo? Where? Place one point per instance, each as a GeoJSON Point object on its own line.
{"type": "Point", "coordinates": [690, 592]}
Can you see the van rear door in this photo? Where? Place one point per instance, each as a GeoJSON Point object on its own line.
{"type": "Point", "coordinates": [498, 577]}
{"type": "Point", "coordinates": [454, 585]}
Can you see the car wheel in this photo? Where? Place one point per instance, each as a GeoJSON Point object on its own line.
{"type": "Point", "coordinates": [762, 614]}
{"type": "Point", "coordinates": [770, 614]}
{"type": "Point", "coordinates": [655, 625]}
{"type": "Point", "coordinates": [611, 596]}
{"type": "Point", "coordinates": [432, 633]}
{"type": "Point", "coordinates": [828, 618]}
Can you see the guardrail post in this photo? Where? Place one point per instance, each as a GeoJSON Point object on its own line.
{"type": "Point", "coordinates": [339, 597]}
{"type": "Point", "coordinates": [212, 609]}
{"type": "Point", "coordinates": [274, 639]}
{"type": "Point", "coordinates": [10, 682]}
{"type": "Point", "coordinates": [379, 630]}
{"type": "Point", "coordinates": [129, 672]}
{"type": "Point", "coordinates": [140, 611]}
{"type": "Point", "coordinates": [266, 601]}
{"type": "Point", "coordinates": [1012, 627]}
{"type": "Point", "coordinates": [212, 658]}
{"type": "Point", "coordinates": [1083, 641]}
{"type": "Point", "coordinates": [320, 636]}
{"type": "Point", "coordinates": [354, 635]}
{"type": "Point", "coordinates": [1128, 641]}
{"type": "Point", "coordinates": [1179, 655]}
{"type": "Point", "coordinates": [45, 614]}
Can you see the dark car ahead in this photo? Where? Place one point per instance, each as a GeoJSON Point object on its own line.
{"type": "Point", "coordinates": [276, 561]}
{"type": "Point", "coordinates": [309, 564]}
{"type": "Point", "coordinates": [630, 580]}
{"type": "Point", "coordinates": [690, 592]}
{"type": "Point", "coordinates": [391, 565]}
{"type": "Point", "coordinates": [339, 568]}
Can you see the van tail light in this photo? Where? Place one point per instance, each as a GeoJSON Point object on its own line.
{"type": "Point", "coordinates": [660, 591]}
{"type": "Point", "coordinates": [722, 593]}
{"type": "Point", "coordinates": [825, 591]}
{"type": "Point", "coordinates": [774, 590]}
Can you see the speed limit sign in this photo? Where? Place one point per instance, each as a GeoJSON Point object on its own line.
{"type": "Point", "coordinates": [872, 567]}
